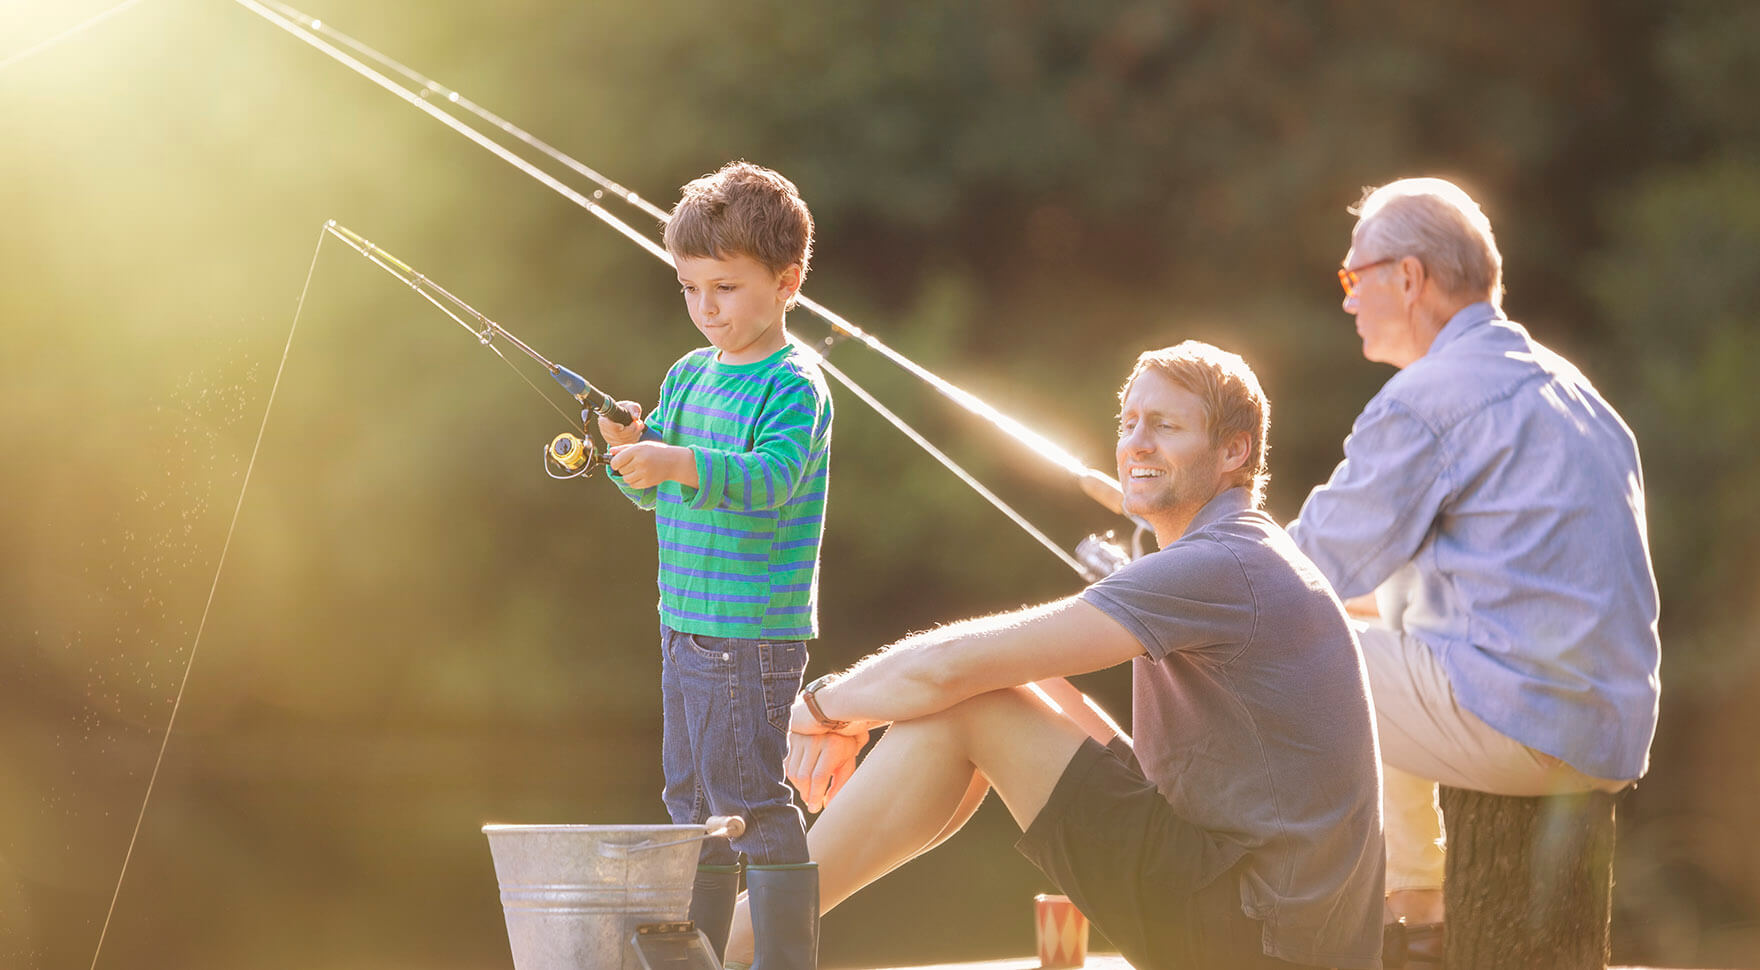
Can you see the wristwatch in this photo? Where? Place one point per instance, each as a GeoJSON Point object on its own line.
{"type": "Point", "coordinates": [813, 704]}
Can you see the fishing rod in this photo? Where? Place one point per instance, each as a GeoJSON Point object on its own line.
{"type": "Point", "coordinates": [1097, 485]}
{"type": "Point", "coordinates": [576, 455]}
{"type": "Point", "coordinates": [67, 34]}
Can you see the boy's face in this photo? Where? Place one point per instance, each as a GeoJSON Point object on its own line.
{"type": "Point", "coordinates": [737, 304]}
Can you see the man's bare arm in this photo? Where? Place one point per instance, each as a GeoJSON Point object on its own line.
{"type": "Point", "coordinates": [1080, 708]}
{"type": "Point", "coordinates": [932, 671]}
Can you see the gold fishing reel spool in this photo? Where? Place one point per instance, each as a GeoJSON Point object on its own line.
{"type": "Point", "coordinates": [573, 453]}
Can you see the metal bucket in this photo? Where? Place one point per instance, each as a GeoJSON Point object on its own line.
{"type": "Point", "coordinates": [573, 895]}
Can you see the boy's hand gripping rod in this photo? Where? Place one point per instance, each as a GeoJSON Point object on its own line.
{"type": "Point", "coordinates": [576, 455]}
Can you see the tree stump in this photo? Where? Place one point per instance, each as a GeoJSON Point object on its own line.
{"type": "Point", "coordinates": [1528, 883]}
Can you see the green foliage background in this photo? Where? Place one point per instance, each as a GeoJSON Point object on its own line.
{"type": "Point", "coordinates": [415, 632]}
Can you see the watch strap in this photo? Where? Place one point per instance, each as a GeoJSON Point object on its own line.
{"type": "Point", "coordinates": [813, 708]}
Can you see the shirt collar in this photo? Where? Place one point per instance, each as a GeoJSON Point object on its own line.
{"type": "Point", "coordinates": [1468, 317]}
{"type": "Point", "coordinates": [1220, 506]}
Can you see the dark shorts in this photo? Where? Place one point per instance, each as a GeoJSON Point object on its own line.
{"type": "Point", "coordinates": [1162, 889]}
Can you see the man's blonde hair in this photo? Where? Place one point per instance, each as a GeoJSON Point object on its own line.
{"type": "Point", "coordinates": [1233, 401]}
{"type": "Point", "coordinates": [1439, 223]}
{"type": "Point", "coordinates": [742, 210]}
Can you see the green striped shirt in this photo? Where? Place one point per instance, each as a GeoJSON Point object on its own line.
{"type": "Point", "coordinates": [739, 555]}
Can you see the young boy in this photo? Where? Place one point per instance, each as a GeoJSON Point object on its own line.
{"type": "Point", "coordinates": [733, 460]}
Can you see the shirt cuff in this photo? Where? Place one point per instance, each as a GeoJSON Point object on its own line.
{"type": "Point", "coordinates": [711, 480]}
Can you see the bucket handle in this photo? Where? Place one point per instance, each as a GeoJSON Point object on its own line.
{"type": "Point", "coordinates": [717, 827]}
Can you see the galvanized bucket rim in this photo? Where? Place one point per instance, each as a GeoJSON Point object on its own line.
{"type": "Point", "coordinates": [609, 829]}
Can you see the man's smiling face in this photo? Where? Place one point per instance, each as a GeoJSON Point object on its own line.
{"type": "Point", "coordinates": [1166, 463]}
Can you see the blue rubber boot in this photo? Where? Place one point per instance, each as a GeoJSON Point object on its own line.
{"type": "Point", "coordinates": [713, 895]}
{"type": "Point", "coordinates": [785, 915]}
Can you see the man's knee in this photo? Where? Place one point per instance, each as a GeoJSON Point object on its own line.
{"type": "Point", "coordinates": [1019, 742]}
{"type": "Point", "coordinates": [991, 724]}
{"type": "Point", "coordinates": [1001, 716]}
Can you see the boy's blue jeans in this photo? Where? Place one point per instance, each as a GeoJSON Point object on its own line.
{"type": "Point", "coordinates": [725, 736]}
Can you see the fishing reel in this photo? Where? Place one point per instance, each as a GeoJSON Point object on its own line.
{"type": "Point", "coordinates": [574, 455]}
{"type": "Point", "coordinates": [577, 455]}
{"type": "Point", "coordinates": [1103, 555]}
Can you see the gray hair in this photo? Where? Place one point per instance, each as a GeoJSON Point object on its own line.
{"type": "Point", "coordinates": [1439, 223]}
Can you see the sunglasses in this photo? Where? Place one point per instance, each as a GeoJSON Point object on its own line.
{"type": "Point", "coordinates": [1350, 277]}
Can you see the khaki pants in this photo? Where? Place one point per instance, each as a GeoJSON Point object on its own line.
{"type": "Point", "coordinates": [1427, 737]}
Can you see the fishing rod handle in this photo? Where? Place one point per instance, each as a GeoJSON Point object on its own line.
{"type": "Point", "coordinates": [614, 411]}
{"type": "Point", "coordinates": [586, 393]}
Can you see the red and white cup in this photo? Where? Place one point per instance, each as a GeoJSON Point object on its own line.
{"type": "Point", "coordinates": [1062, 931]}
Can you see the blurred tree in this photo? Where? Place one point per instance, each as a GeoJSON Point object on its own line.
{"type": "Point", "coordinates": [1679, 282]}
{"type": "Point", "coordinates": [1019, 194]}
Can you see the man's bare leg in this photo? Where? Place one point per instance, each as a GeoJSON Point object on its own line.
{"type": "Point", "coordinates": [1415, 906]}
{"type": "Point", "coordinates": [923, 780]}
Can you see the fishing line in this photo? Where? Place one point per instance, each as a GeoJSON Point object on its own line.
{"type": "Point", "coordinates": [306, 28]}
{"type": "Point", "coordinates": [433, 293]}
{"type": "Point", "coordinates": [427, 290]}
{"type": "Point", "coordinates": [575, 455]}
{"type": "Point", "coordinates": [208, 607]}
{"type": "Point", "coordinates": [64, 35]}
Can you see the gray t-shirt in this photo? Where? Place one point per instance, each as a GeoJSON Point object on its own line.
{"type": "Point", "coordinates": [1251, 716]}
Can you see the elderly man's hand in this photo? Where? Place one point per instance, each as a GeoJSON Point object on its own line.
{"type": "Point", "coordinates": [819, 763]}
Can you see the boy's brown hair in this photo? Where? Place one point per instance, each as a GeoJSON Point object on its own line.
{"type": "Point", "coordinates": [742, 210]}
{"type": "Point", "coordinates": [1233, 401]}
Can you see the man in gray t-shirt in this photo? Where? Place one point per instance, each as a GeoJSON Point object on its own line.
{"type": "Point", "coordinates": [1244, 830]}
{"type": "Point", "coordinates": [1251, 717]}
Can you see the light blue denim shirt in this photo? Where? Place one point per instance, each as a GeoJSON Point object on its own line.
{"type": "Point", "coordinates": [1494, 479]}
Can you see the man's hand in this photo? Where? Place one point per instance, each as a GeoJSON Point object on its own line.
{"type": "Point", "coordinates": [1363, 607]}
{"type": "Point", "coordinates": [623, 434]}
{"type": "Point", "coordinates": [644, 464]}
{"type": "Point", "coordinates": [819, 764]}
{"type": "Point", "coordinates": [820, 760]}
{"type": "Point", "coordinates": [1102, 489]}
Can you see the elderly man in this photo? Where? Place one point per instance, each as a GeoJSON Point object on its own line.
{"type": "Point", "coordinates": [1493, 502]}
{"type": "Point", "coordinates": [1243, 830]}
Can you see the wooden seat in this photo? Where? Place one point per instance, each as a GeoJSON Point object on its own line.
{"type": "Point", "coordinates": [1528, 881]}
